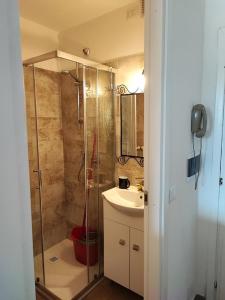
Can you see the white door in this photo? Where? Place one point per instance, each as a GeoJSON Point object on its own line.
{"type": "Point", "coordinates": [137, 261]}
{"type": "Point", "coordinates": [116, 252]}
{"type": "Point", "coordinates": [220, 251]}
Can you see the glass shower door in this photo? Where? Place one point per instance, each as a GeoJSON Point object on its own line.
{"type": "Point", "coordinates": [106, 145]}
{"type": "Point", "coordinates": [99, 143]}
{"type": "Point", "coordinates": [70, 124]}
{"type": "Point", "coordinates": [61, 152]}
{"type": "Point", "coordinates": [91, 171]}
{"type": "Point", "coordinates": [34, 171]}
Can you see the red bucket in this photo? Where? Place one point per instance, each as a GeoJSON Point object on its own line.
{"type": "Point", "coordinates": [85, 243]}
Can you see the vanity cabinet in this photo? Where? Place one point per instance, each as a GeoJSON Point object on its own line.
{"type": "Point", "coordinates": [116, 249]}
{"type": "Point", "coordinates": [123, 250]}
{"type": "Point", "coordinates": [137, 261]}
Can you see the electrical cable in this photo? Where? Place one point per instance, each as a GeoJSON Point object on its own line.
{"type": "Point", "coordinates": [200, 155]}
{"type": "Point", "coordinates": [193, 147]}
{"type": "Point", "coordinates": [195, 166]}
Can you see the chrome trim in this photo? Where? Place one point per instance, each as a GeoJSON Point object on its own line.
{"type": "Point", "coordinates": [67, 56]}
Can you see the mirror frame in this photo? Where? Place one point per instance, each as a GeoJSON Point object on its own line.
{"type": "Point", "coordinates": [139, 159]}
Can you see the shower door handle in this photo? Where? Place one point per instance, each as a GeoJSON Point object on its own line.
{"type": "Point", "coordinates": [78, 105]}
{"type": "Point", "coordinates": [80, 121]}
{"type": "Point", "coordinates": [39, 178]}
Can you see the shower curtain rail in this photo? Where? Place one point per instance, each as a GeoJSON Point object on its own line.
{"type": "Point", "coordinates": [70, 57]}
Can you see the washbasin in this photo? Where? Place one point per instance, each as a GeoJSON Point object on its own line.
{"type": "Point", "coordinates": [127, 200]}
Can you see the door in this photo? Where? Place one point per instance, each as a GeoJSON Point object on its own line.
{"type": "Point", "coordinates": [137, 261]}
{"type": "Point", "coordinates": [220, 259]}
{"type": "Point", "coordinates": [34, 172]}
{"type": "Point", "coordinates": [116, 252]}
{"type": "Point", "coordinates": [99, 158]}
{"type": "Point", "coordinates": [91, 169]}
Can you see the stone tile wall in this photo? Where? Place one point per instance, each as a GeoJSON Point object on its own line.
{"type": "Point", "coordinates": [73, 142]}
{"type": "Point", "coordinates": [51, 155]}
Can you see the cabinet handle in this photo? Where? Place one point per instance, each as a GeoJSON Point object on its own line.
{"type": "Point", "coordinates": [122, 242]}
{"type": "Point", "coordinates": [136, 247]}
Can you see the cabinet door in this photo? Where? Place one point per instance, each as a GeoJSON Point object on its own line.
{"type": "Point", "coordinates": [137, 261]}
{"type": "Point", "coordinates": [116, 252]}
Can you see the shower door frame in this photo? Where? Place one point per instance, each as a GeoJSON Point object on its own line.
{"type": "Point", "coordinates": [38, 172]}
{"type": "Point", "coordinates": [85, 64]}
{"type": "Point", "coordinates": [97, 169]}
{"type": "Point", "coordinates": [69, 57]}
{"type": "Point", "coordinates": [86, 158]}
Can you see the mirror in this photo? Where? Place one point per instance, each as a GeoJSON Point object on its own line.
{"type": "Point", "coordinates": [132, 124]}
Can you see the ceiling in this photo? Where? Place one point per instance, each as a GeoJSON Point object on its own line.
{"type": "Point", "coordinates": [63, 14]}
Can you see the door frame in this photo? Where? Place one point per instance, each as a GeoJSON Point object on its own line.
{"type": "Point", "coordinates": [155, 235]}
{"type": "Point", "coordinates": [219, 126]}
{"type": "Point", "coordinates": [220, 236]}
{"type": "Point", "coordinates": [155, 141]}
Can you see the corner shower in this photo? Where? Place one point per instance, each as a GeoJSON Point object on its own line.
{"type": "Point", "coordinates": [70, 125]}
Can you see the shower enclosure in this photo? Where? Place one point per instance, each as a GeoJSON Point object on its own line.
{"type": "Point", "coordinates": [70, 122]}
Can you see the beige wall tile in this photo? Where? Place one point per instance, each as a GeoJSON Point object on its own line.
{"type": "Point", "coordinates": [47, 82]}
{"type": "Point", "coordinates": [51, 156]}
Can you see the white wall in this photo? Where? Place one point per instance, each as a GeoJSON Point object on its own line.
{"type": "Point", "coordinates": [36, 39]}
{"type": "Point", "coordinates": [16, 260]}
{"type": "Point", "coordinates": [129, 71]}
{"type": "Point", "coordinates": [109, 36]}
{"type": "Point", "coordinates": [214, 19]}
{"type": "Point", "coordinates": [182, 90]}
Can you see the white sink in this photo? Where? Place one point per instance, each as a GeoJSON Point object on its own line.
{"type": "Point", "coordinates": [130, 200]}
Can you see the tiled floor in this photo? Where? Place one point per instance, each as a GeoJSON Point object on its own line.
{"type": "Point", "coordinates": [108, 290]}
{"type": "Point", "coordinates": [64, 276]}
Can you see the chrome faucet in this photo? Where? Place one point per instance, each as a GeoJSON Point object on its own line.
{"type": "Point", "coordinates": [140, 183]}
